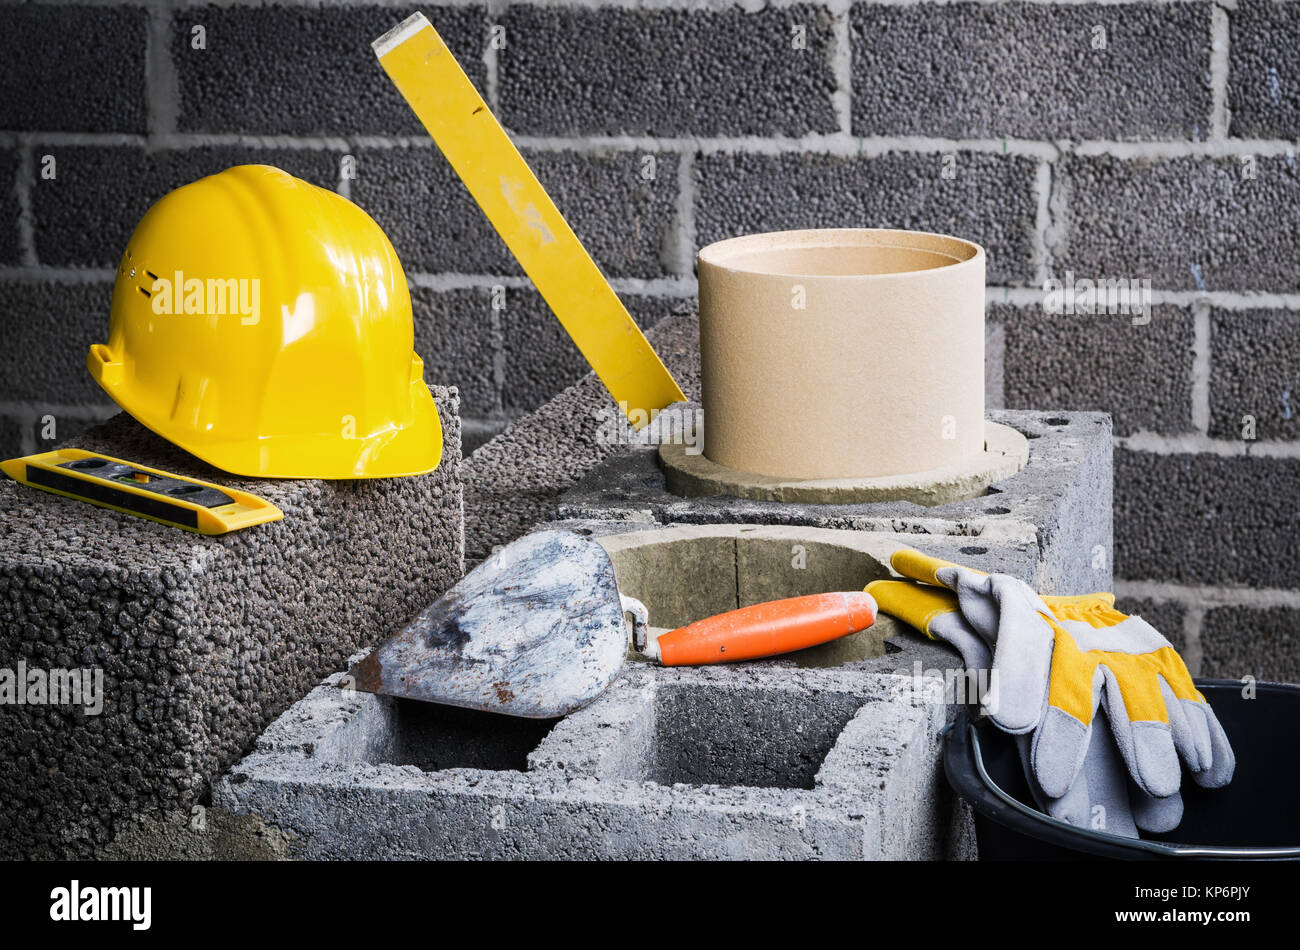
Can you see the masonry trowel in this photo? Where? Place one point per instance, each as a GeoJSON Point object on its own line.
{"type": "Point", "coordinates": [540, 630]}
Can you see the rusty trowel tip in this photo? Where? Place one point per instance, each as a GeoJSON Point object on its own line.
{"type": "Point", "coordinates": [368, 675]}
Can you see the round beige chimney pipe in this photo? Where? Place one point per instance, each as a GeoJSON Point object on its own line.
{"type": "Point", "coordinates": [842, 353]}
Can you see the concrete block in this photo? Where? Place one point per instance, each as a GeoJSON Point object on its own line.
{"type": "Point", "coordinates": [246, 80]}
{"type": "Point", "coordinates": [626, 221]}
{"type": "Point", "coordinates": [10, 249]}
{"type": "Point", "coordinates": [1184, 223]}
{"type": "Point", "coordinates": [75, 68]}
{"type": "Point", "coordinates": [346, 799]}
{"type": "Point", "coordinates": [1205, 519]}
{"type": "Point", "coordinates": [615, 71]}
{"type": "Point", "coordinates": [774, 759]}
{"type": "Point", "coordinates": [114, 186]}
{"type": "Point", "coordinates": [457, 336]}
{"type": "Point", "coordinates": [512, 482]}
{"type": "Point", "coordinates": [1028, 70]}
{"type": "Point", "coordinates": [1263, 642]}
{"type": "Point", "coordinates": [48, 328]}
{"type": "Point", "coordinates": [1058, 504]}
{"type": "Point", "coordinates": [1140, 373]}
{"type": "Point", "coordinates": [200, 641]}
{"type": "Point", "coordinates": [990, 200]}
{"type": "Point", "coordinates": [477, 431]}
{"type": "Point", "coordinates": [1255, 372]}
{"type": "Point", "coordinates": [540, 358]}
{"type": "Point", "coordinates": [1263, 78]}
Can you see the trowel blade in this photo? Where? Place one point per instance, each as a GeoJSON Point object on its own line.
{"type": "Point", "coordinates": [536, 631]}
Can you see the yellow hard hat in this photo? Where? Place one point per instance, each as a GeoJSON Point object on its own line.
{"type": "Point", "coordinates": [264, 325]}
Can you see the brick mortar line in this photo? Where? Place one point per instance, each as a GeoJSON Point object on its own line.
{"type": "Point", "coordinates": [24, 180]}
{"type": "Point", "coordinates": [491, 61]}
{"type": "Point", "coordinates": [1192, 595]}
{"type": "Point", "coordinates": [685, 286]}
{"type": "Point", "coordinates": [1193, 651]}
{"type": "Point", "coordinates": [1040, 253]}
{"type": "Point", "coordinates": [161, 83]}
{"type": "Point", "coordinates": [667, 287]}
{"type": "Point", "coordinates": [1220, 119]}
{"type": "Point", "coordinates": [685, 211]}
{"type": "Point", "coordinates": [841, 63]}
{"type": "Point", "coordinates": [497, 334]}
{"type": "Point", "coordinates": [837, 144]}
{"type": "Point", "coordinates": [1200, 368]}
{"type": "Point", "coordinates": [84, 411]}
{"type": "Point", "coordinates": [1154, 443]}
{"type": "Point", "coordinates": [1215, 299]}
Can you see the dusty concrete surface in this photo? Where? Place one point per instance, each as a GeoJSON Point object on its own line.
{"type": "Point", "coordinates": [1058, 504]}
{"type": "Point", "coordinates": [201, 641]}
{"type": "Point", "coordinates": [692, 474]}
{"type": "Point", "coordinates": [668, 764]}
{"type": "Point", "coordinates": [781, 758]}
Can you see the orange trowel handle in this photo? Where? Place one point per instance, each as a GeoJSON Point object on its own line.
{"type": "Point", "coordinates": [768, 629]}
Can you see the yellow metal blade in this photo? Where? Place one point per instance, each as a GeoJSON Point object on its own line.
{"type": "Point", "coordinates": [441, 95]}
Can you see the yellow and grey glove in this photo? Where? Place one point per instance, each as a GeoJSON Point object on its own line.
{"type": "Point", "coordinates": [1099, 796]}
{"type": "Point", "coordinates": [1057, 658]}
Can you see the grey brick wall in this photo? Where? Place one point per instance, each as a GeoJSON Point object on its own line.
{"type": "Point", "coordinates": [1143, 140]}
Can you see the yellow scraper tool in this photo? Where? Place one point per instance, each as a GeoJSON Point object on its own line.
{"type": "Point", "coordinates": [425, 72]}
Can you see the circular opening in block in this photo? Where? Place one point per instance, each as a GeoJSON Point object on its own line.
{"type": "Point", "coordinates": [684, 574]}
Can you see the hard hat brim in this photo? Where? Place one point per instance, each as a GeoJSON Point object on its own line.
{"type": "Point", "coordinates": [412, 449]}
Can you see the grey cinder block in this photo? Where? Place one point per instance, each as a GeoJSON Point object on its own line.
{"type": "Point", "coordinates": [201, 641]}
{"type": "Point", "coordinates": [512, 482]}
{"type": "Point", "coordinates": [612, 71]}
{"type": "Point", "coordinates": [1255, 372]}
{"type": "Point", "coordinates": [1241, 641]}
{"type": "Point", "coordinates": [1196, 223]}
{"type": "Point", "coordinates": [1032, 70]}
{"type": "Point", "coordinates": [457, 338]}
{"type": "Point", "coordinates": [10, 252]}
{"type": "Point", "coordinates": [74, 68]}
{"type": "Point", "coordinates": [1204, 519]}
{"type": "Point", "coordinates": [48, 328]}
{"type": "Point", "coordinates": [1264, 76]}
{"type": "Point", "coordinates": [303, 70]}
{"type": "Point", "coordinates": [1140, 373]}
{"type": "Point", "coordinates": [989, 199]}
{"type": "Point", "coordinates": [540, 357]}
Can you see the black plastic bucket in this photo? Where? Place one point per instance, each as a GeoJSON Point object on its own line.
{"type": "Point", "coordinates": [1254, 818]}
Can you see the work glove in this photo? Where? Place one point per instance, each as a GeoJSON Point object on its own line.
{"type": "Point", "coordinates": [1099, 796]}
{"type": "Point", "coordinates": [1057, 659]}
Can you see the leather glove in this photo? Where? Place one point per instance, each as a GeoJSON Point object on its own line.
{"type": "Point", "coordinates": [1099, 796]}
{"type": "Point", "coordinates": [1057, 659]}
